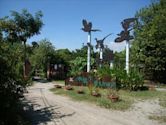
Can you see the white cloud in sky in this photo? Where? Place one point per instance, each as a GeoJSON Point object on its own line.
{"type": "Point", "coordinates": [117, 46]}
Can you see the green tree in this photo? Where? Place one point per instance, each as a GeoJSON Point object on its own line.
{"type": "Point", "coordinates": [21, 26]}
{"type": "Point", "coordinates": [149, 47]}
{"type": "Point", "coordinates": [65, 55]}
{"type": "Point", "coordinates": [119, 59]}
{"type": "Point", "coordinates": [77, 65]}
{"type": "Point", "coordinates": [42, 55]}
{"type": "Point", "coordinates": [14, 30]}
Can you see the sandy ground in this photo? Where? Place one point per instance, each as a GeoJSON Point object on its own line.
{"type": "Point", "coordinates": [45, 108]}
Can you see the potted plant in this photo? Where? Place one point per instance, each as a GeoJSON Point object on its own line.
{"type": "Point", "coordinates": [113, 95]}
{"type": "Point", "coordinates": [58, 86]}
{"type": "Point", "coordinates": [96, 93]}
{"type": "Point", "coordinates": [80, 90]}
{"type": "Point", "coordinates": [151, 87]}
{"type": "Point", "coordinates": [68, 87]}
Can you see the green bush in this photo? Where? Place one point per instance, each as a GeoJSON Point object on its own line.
{"type": "Point", "coordinates": [132, 81]}
{"type": "Point", "coordinates": [105, 71]}
{"type": "Point", "coordinates": [12, 83]}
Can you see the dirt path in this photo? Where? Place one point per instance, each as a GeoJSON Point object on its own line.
{"type": "Point", "coordinates": [49, 109]}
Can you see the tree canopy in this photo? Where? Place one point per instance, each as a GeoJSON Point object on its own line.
{"type": "Point", "coordinates": [149, 47]}
{"type": "Point", "coordinates": [13, 30]}
{"type": "Point", "coordinates": [20, 26]}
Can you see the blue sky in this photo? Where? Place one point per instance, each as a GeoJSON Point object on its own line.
{"type": "Point", "coordinates": [63, 19]}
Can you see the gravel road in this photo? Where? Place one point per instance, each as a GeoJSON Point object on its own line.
{"type": "Point", "coordinates": [45, 108]}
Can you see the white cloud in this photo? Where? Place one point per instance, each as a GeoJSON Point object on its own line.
{"type": "Point", "coordinates": [117, 46]}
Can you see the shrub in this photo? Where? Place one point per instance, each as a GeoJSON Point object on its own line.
{"type": "Point", "coordinates": [131, 81]}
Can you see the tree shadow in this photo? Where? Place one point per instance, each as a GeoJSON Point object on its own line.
{"type": "Point", "coordinates": [42, 115]}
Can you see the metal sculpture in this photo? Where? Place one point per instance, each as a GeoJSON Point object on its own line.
{"type": "Point", "coordinates": [127, 25]}
{"type": "Point", "coordinates": [87, 27]}
{"type": "Point", "coordinates": [100, 46]}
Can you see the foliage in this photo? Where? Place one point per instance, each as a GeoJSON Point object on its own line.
{"type": "Point", "coordinates": [107, 55]}
{"type": "Point", "coordinates": [131, 81]}
{"type": "Point", "coordinates": [81, 52]}
{"type": "Point", "coordinates": [162, 101]}
{"type": "Point", "coordinates": [160, 118]}
{"type": "Point", "coordinates": [11, 82]}
{"type": "Point", "coordinates": [78, 65]}
{"type": "Point", "coordinates": [148, 49]}
{"type": "Point", "coordinates": [90, 86]}
{"type": "Point", "coordinates": [21, 26]}
{"type": "Point", "coordinates": [119, 59]}
{"type": "Point", "coordinates": [65, 55]}
{"type": "Point", "coordinates": [126, 98]}
{"type": "Point", "coordinates": [42, 55]}
{"type": "Point", "coordinates": [13, 31]}
{"type": "Point", "coordinates": [105, 71]}
{"type": "Point", "coordinates": [112, 92]}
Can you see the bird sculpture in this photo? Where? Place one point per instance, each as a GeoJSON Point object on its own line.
{"type": "Point", "coordinates": [127, 23]}
{"type": "Point", "coordinates": [100, 43]}
{"type": "Point", "coordinates": [88, 26]}
{"type": "Point", "coordinates": [130, 20]}
{"type": "Point", "coordinates": [125, 34]}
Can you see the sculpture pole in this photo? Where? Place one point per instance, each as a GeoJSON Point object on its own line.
{"type": "Point", "coordinates": [89, 52]}
{"type": "Point", "coordinates": [101, 53]}
{"type": "Point", "coordinates": [88, 28]}
{"type": "Point", "coordinates": [127, 56]}
{"type": "Point", "coordinates": [101, 56]}
{"type": "Point", "coordinates": [125, 35]}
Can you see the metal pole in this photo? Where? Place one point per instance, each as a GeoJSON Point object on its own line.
{"type": "Point", "coordinates": [101, 53]}
{"type": "Point", "coordinates": [89, 52]}
{"type": "Point", "coordinates": [127, 56]}
{"type": "Point", "coordinates": [111, 64]}
{"type": "Point", "coordinates": [101, 56]}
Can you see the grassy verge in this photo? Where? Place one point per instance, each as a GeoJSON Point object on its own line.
{"type": "Point", "coordinates": [162, 101]}
{"type": "Point", "coordinates": [59, 82]}
{"type": "Point", "coordinates": [127, 98]}
{"type": "Point", "coordinates": [161, 119]}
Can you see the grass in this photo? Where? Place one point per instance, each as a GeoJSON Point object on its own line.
{"type": "Point", "coordinates": [59, 82]}
{"type": "Point", "coordinates": [162, 86]}
{"type": "Point", "coordinates": [161, 119]}
{"type": "Point", "coordinates": [127, 98]}
{"type": "Point", "coordinates": [162, 101]}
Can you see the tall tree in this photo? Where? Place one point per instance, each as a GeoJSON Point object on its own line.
{"type": "Point", "coordinates": [13, 30]}
{"type": "Point", "coordinates": [21, 26]}
{"type": "Point", "coordinates": [42, 55]}
{"type": "Point", "coordinates": [149, 47]}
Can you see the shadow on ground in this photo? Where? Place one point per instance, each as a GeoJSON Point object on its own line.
{"type": "Point", "coordinates": [42, 115]}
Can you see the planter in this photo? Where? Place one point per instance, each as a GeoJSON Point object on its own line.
{"type": "Point", "coordinates": [152, 88]}
{"type": "Point", "coordinates": [68, 87]}
{"type": "Point", "coordinates": [80, 92]}
{"type": "Point", "coordinates": [96, 94]}
{"type": "Point", "coordinates": [113, 98]}
{"type": "Point", "coordinates": [58, 86]}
